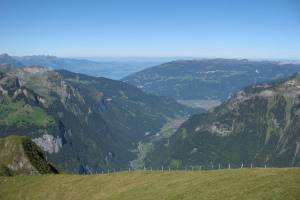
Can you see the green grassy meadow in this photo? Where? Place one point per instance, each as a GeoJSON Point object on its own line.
{"type": "Point", "coordinates": [257, 183]}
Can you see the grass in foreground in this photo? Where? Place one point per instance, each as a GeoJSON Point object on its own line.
{"type": "Point", "coordinates": [218, 184]}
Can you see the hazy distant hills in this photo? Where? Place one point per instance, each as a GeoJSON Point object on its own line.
{"type": "Point", "coordinates": [8, 60]}
{"type": "Point", "coordinates": [259, 125]}
{"type": "Point", "coordinates": [114, 69]}
{"type": "Point", "coordinates": [82, 122]}
{"type": "Point", "coordinates": [207, 79]}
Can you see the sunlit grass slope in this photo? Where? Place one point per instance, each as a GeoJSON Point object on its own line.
{"type": "Point", "coordinates": [218, 184]}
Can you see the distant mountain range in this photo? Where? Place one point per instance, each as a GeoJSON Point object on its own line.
{"type": "Point", "coordinates": [9, 60]}
{"type": "Point", "coordinates": [82, 122]}
{"type": "Point", "coordinates": [208, 79]}
{"type": "Point", "coordinates": [259, 125]}
{"type": "Point", "coordinates": [114, 69]}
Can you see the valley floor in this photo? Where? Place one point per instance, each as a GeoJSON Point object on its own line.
{"type": "Point", "coordinates": [224, 184]}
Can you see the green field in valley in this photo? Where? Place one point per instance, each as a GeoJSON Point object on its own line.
{"type": "Point", "coordinates": [259, 183]}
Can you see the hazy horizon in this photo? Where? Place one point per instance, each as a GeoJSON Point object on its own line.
{"type": "Point", "coordinates": [152, 58]}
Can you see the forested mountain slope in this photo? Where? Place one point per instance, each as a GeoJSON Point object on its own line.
{"type": "Point", "coordinates": [260, 125]}
{"type": "Point", "coordinates": [83, 123]}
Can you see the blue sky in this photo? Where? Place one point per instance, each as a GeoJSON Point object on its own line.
{"type": "Point", "coordinates": [232, 28]}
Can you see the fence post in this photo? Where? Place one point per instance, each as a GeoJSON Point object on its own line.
{"type": "Point", "coordinates": [162, 168]}
{"type": "Point", "coordinates": [251, 165]}
{"type": "Point", "coordinates": [229, 166]}
{"type": "Point", "coordinates": [219, 166]}
{"type": "Point", "coordinates": [242, 165]}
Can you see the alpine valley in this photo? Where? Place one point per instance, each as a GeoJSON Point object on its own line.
{"type": "Point", "coordinates": [150, 100]}
{"type": "Point", "coordinates": [86, 124]}
{"type": "Point", "coordinates": [83, 123]}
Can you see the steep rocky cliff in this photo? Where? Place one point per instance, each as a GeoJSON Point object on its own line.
{"type": "Point", "coordinates": [19, 155]}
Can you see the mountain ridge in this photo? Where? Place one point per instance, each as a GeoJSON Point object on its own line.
{"type": "Point", "coordinates": [208, 79]}
{"type": "Point", "coordinates": [19, 155]}
{"type": "Point", "coordinates": [114, 69]}
{"type": "Point", "coordinates": [259, 125]}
